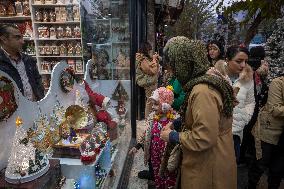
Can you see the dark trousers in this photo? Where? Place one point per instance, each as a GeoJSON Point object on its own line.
{"type": "Point", "coordinates": [273, 160]}
{"type": "Point", "coordinates": [237, 145]}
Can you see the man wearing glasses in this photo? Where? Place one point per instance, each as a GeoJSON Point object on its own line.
{"type": "Point", "coordinates": [20, 67]}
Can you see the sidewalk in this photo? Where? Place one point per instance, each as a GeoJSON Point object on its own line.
{"type": "Point", "coordinates": [138, 164]}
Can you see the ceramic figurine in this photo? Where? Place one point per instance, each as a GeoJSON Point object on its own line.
{"type": "Point", "coordinates": [45, 16]}
{"type": "Point", "coordinates": [70, 49]}
{"type": "Point", "coordinates": [62, 50]}
{"type": "Point", "coordinates": [60, 32]}
{"type": "Point", "coordinates": [19, 8]}
{"type": "Point", "coordinates": [76, 13]}
{"type": "Point", "coordinates": [26, 8]}
{"type": "Point", "coordinates": [11, 10]}
{"type": "Point", "coordinates": [78, 49]}
{"type": "Point", "coordinates": [52, 16]}
{"type": "Point", "coordinates": [77, 32]}
{"type": "Point", "coordinates": [38, 16]}
{"type": "Point", "coordinates": [52, 33]}
{"type": "Point", "coordinates": [68, 32]}
{"type": "Point", "coordinates": [3, 10]}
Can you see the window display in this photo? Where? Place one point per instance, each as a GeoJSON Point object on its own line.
{"type": "Point", "coordinates": [84, 125]}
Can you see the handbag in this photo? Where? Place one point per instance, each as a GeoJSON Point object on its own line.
{"type": "Point", "coordinates": [174, 159]}
{"type": "Point", "coordinates": [142, 79]}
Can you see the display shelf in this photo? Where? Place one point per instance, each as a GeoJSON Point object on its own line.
{"type": "Point", "coordinates": [28, 38]}
{"type": "Point", "coordinates": [49, 73]}
{"type": "Point", "coordinates": [60, 39]}
{"type": "Point", "coordinates": [15, 18]}
{"type": "Point", "coordinates": [63, 22]}
{"type": "Point", "coordinates": [53, 5]}
{"type": "Point", "coordinates": [42, 56]}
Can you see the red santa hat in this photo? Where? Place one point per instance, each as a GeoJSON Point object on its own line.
{"type": "Point", "coordinates": [96, 98]}
{"type": "Point", "coordinates": [103, 116]}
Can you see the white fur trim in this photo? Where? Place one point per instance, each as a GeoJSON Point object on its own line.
{"type": "Point", "coordinates": [105, 102]}
{"type": "Point", "coordinates": [166, 107]}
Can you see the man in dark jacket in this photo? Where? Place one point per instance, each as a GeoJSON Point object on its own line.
{"type": "Point", "coordinates": [20, 67]}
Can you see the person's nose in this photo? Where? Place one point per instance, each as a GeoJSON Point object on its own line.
{"type": "Point", "coordinates": [243, 64]}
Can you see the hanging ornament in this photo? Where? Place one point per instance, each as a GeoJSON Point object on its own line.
{"type": "Point", "coordinates": [7, 99]}
{"type": "Point", "coordinates": [67, 80]}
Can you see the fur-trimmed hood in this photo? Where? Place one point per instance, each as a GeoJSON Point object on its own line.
{"type": "Point", "coordinates": [246, 75]}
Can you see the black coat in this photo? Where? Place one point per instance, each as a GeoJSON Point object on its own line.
{"type": "Point", "coordinates": [31, 70]}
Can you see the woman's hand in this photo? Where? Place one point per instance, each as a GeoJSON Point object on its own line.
{"type": "Point", "coordinates": [133, 151]}
{"type": "Point", "coordinates": [165, 133]}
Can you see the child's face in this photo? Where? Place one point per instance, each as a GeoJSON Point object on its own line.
{"type": "Point", "coordinates": [156, 106]}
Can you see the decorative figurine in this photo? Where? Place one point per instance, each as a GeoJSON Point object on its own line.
{"type": "Point", "coordinates": [11, 10]}
{"type": "Point", "coordinates": [77, 32]}
{"type": "Point", "coordinates": [47, 49]}
{"type": "Point", "coordinates": [26, 8]}
{"type": "Point", "coordinates": [70, 49]}
{"type": "Point", "coordinates": [3, 10]}
{"type": "Point", "coordinates": [76, 13]}
{"type": "Point", "coordinates": [68, 32]}
{"type": "Point", "coordinates": [78, 49]}
{"type": "Point", "coordinates": [79, 66]}
{"type": "Point", "coordinates": [38, 16]}
{"type": "Point", "coordinates": [52, 33]}
{"type": "Point", "coordinates": [45, 16]}
{"type": "Point", "coordinates": [57, 14]}
{"type": "Point", "coordinates": [62, 50]}
{"type": "Point", "coordinates": [52, 16]}
{"type": "Point", "coordinates": [60, 32]}
{"type": "Point", "coordinates": [19, 8]}
{"type": "Point", "coordinates": [54, 49]}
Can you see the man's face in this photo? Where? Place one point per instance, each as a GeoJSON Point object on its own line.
{"type": "Point", "coordinates": [13, 40]}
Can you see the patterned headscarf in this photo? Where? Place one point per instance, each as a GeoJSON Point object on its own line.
{"type": "Point", "coordinates": [189, 61]}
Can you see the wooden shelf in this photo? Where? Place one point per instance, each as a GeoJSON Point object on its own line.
{"type": "Point", "coordinates": [66, 22]}
{"type": "Point", "coordinates": [49, 73]}
{"type": "Point", "coordinates": [28, 38]}
{"type": "Point", "coordinates": [15, 18]}
{"type": "Point", "coordinates": [61, 39]}
{"type": "Point", "coordinates": [42, 56]}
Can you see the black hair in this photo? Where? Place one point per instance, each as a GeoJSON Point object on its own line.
{"type": "Point", "coordinates": [234, 50]}
{"type": "Point", "coordinates": [145, 47]}
{"type": "Point", "coordinates": [221, 48]}
{"type": "Point", "coordinates": [4, 28]}
{"type": "Point", "coordinates": [256, 55]}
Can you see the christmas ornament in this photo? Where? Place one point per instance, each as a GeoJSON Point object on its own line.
{"type": "Point", "coordinates": [25, 163]}
{"type": "Point", "coordinates": [7, 99]}
{"type": "Point", "coordinates": [67, 80]}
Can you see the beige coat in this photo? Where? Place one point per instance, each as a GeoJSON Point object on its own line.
{"type": "Point", "coordinates": [207, 144]}
{"type": "Point", "coordinates": [272, 115]}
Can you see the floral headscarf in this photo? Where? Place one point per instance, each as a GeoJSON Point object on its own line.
{"type": "Point", "coordinates": [189, 61]}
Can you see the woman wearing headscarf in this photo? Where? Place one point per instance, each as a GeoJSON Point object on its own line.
{"type": "Point", "coordinates": [215, 51]}
{"type": "Point", "coordinates": [206, 139]}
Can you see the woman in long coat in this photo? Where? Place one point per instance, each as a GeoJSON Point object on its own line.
{"type": "Point", "coordinates": [208, 159]}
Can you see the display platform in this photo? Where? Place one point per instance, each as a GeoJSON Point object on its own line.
{"type": "Point", "coordinates": [49, 180]}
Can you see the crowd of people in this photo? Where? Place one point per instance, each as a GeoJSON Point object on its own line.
{"type": "Point", "coordinates": [216, 107]}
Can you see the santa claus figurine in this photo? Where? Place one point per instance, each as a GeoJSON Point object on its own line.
{"type": "Point", "coordinates": [102, 115]}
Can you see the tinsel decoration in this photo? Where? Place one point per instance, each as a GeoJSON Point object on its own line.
{"type": "Point", "coordinates": [274, 50]}
{"type": "Point", "coordinates": [7, 99]}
